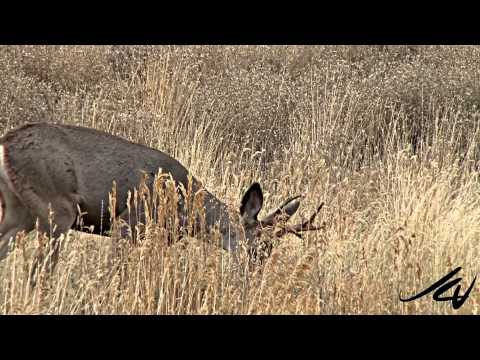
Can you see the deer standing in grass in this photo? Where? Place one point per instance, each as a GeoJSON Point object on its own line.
{"type": "Point", "coordinates": [67, 168]}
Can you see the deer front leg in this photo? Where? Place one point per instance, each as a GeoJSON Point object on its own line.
{"type": "Point", "coordinates": [132, 225]}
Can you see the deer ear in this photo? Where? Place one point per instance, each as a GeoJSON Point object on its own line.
{"type": "Point", "coordinates": [252, 202]}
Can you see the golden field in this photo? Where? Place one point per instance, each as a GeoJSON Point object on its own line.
{"type": "Point", "coordinates": [387, 136]}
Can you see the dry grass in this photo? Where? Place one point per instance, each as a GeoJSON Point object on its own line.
{"type": "Point", "coordinates": [388, 137]}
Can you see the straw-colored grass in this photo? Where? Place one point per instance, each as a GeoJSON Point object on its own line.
{"type": "Point", "coordinates": [387, 137]}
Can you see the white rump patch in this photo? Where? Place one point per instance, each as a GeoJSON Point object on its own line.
{"type": "Point", "coordinates": [2, 155]}
{"type": "Point", "coordinates": [3, 170]}
{"type": "Point", "coordinates": [3, 176]}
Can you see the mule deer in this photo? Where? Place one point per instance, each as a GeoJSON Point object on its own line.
{"type": "Point", "coordinates": [60, 167]}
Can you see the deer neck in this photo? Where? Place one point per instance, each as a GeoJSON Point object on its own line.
{"type": "Point", "coordinates": [217, 214]}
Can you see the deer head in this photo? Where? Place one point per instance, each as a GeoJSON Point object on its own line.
{"type": "Point", "coordinates": [274, 223]}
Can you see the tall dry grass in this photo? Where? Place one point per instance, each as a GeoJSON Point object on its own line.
{"type": "Point", "coordinates": [387, 136]}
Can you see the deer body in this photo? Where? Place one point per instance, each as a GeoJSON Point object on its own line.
{"type": "Point", "coordinates": [68, 167]}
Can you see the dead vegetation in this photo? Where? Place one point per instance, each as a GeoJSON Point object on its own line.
{"type": "Point", "coordinates": [387, 137]}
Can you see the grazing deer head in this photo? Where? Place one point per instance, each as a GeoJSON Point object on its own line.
{"type": "Point", "coordinates": [252, 203]}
